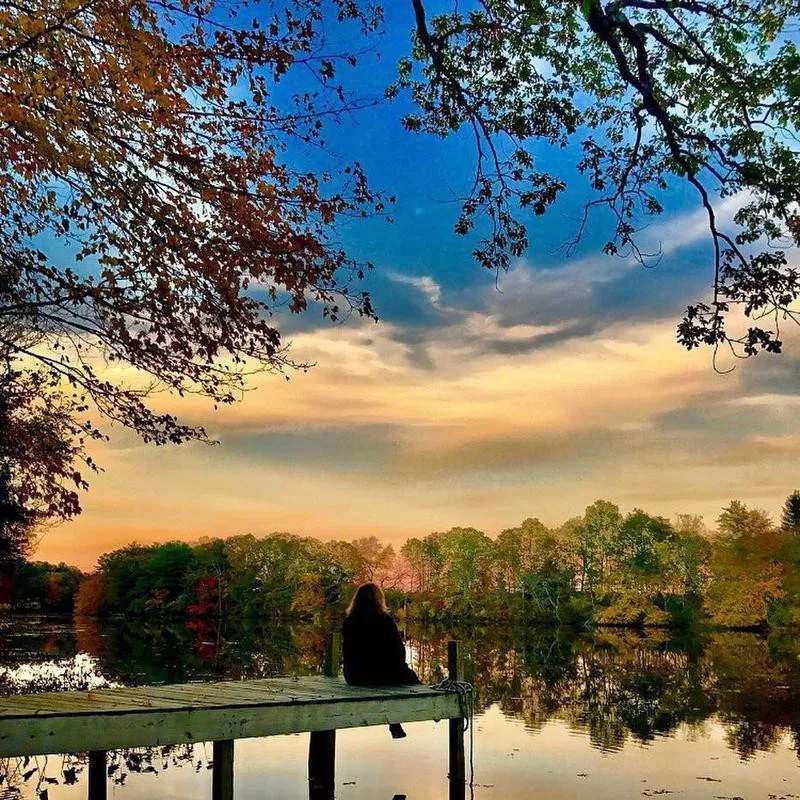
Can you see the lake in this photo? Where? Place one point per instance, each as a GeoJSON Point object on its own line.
{"type": "Point", "coordinates": [560, 713]}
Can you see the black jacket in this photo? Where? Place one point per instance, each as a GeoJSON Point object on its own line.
{"type": "Point", "coordinates": [374, 654]}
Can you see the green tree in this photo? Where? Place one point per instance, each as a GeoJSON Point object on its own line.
{"type": "Point", "coordinates": [690, 555]}
{"type": "Point", "coordinates": [746, 568]}
{"type": "Point", "coordinates": [789, 611]}
{"type": "Point", "coordinates": [333, 572]}
{"type": "Point", "coordinates": [168, 563]}
{"type": "Point", "coordinates": [267, 572]}
{"type": "Point", "coordinates": [738, 523]}
{"type": "Point", "coordinates": [638, 554]}
{"type": "Point", "coordinates": [790, 516]}
{"type": "Point", "coordinates": [653, 93]}
{"type": "Point", "coordinates": [147, 579]}
{"type": "Point", "coordinates": [530, 548]}
{"type": "Point", "coordinates": [636, 551]}
{"type": "Point", "coordinates": [600, 525]}
{"type": "Point", "coordinates": [121, 569]}
{"type": "Point", "coordinates": [468, 560]}
{"type": "Point", "coordinates": [45, 586]}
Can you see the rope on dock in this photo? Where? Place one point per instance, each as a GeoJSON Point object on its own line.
{"type": "Point", "coordinates": [466, 704]}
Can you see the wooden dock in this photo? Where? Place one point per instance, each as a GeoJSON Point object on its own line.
{"type": "Point", "coordinates": [111, 719]}
{"type": "Point", "coordinates": [221, 712]}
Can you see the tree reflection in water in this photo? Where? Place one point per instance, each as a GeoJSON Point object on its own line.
{"type": "Point", "coordinates": [615, 684]}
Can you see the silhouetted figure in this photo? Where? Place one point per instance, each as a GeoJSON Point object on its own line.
{"type": "Point", "coordinates": [374, 654]}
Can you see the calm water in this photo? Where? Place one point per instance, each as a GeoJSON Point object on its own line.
{"type": "Point", "coordinates": [560, 714]}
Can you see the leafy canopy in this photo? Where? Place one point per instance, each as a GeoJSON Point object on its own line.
{"type": "Point", "coordinates": [155, 141]}
{"type": "Point", "coordinates": [703, 92]}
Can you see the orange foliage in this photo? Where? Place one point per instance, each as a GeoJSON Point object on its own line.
{"type": "Point", "coordinates": [747, 573]}
{"type": "Point", "coordinates": [147, 137]}
{"type": "Point", "coordinates": [91, 596]}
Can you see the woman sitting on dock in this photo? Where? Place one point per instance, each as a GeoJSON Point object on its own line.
{"type": "Point", "coordinates": [374, 653]}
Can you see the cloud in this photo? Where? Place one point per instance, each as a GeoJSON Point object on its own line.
{"type": "Point", "coordinates": [423, 283]}
{"type": "Point", "coordinates": [775, 401]}
{"type": "Point", "coordinates": [534, 307]}
{"type": "Point", "coordinates": [371, 444]}
{"type": "Point", "coordinates": [599, 290]}
{"type": "Point", "coordinates": [777, 451]}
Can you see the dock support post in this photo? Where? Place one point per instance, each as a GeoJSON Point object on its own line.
{"type": "Point", "coordinates": [98, 775]}
{"type": "Point", "coordinates": [322, 765]}
{"type": "Point", "coordinates": [457, 773]}
{"type": "Point", "coordinates": [222, 775]}
{"type": "Point", "coordinates": [322, 746]}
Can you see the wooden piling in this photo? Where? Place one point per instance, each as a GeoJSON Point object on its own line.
{"type": "Point", "coordinates": [98, 775]}
{"type": "Point", "coordinates": [457, 772]}
{"type": "Point", "coordinates": [222, 775]}
{"type": "Point", "coordinates": [322, 745]}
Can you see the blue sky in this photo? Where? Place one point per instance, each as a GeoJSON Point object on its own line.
{"type": "Point", "coordinates": [428, 175]}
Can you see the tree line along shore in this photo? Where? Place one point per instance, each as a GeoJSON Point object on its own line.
{"type": "Point", "coordinates": [604, 567]}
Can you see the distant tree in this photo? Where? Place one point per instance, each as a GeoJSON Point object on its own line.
{"type": "Point", "coordinates": [426, 562]}
{"type": "Point", "coordinates": [47, 587]}
{"type": "Point", "coordinates": [90, 599]}
{"type": "Point", "coordinates": [530, 549]}
{"type": "Point", "coordinates": [414, 553]}
{"type": "Point", "coordinates": [374, 560]}
{"type": "Point", "coordinates": [601, 523]}
{"type": "Point", "coordinates": [516, 551]}
{"type": "Point", "coordinates": [207, 597]}
{"type": "Point", "coordinates": [468, 560]}
{"type": "Point", "coordinates": [636, 549]}
{"type": "Point", "coordinates": [210, 561]}
{"type": "Point", "coordinates": [167, 566]}
{"type": "Point", "coordinates": [121, 569]}
{"type": "Point", "coordinates": [509, 554]}
{"type": "Point", "coordinates": [790, 516]}
{"type": "Point", "coordinates": [638, 570]}
{"type": "Point", "coordinates": [689, 556]}
{"type": "Point", "coordinates": [747, 567]}
{"type": "Point", "coordinates": [690, 524]}
{"type": "Point", "coordinates": [266, 572]}
{"type": "Point", "coordinates": [331, 567]}
{"type": "Point", "coordinates": [337, 568]}
{"type": "Point", "coordinates": [738, 522]}
{"type": "Point", "coordinates": [257, 576]}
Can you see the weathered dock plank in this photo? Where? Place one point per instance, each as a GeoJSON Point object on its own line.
{"type": "Point", "coordinates": [109, 719]}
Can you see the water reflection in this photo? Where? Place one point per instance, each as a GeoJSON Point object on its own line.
{"type": "Point", "coordinates": [615, 686]}
{"type": "Point", "coordinates": [611, 687]}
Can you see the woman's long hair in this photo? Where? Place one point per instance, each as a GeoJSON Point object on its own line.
{"type": "Point", "coordinates": [368, 599]}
